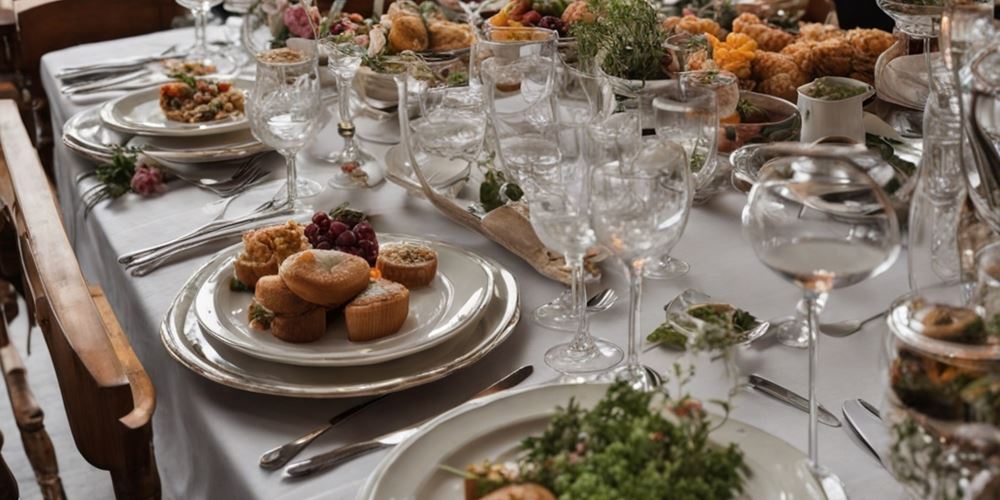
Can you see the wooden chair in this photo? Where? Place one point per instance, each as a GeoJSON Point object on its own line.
{"type": "Point", "coordinates": [108, 396]}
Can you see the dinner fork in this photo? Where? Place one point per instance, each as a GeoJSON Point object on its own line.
{"type": "Point", "coordinates": [249, 173]}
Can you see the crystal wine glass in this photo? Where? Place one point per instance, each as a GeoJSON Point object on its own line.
{"type": "Point", "coordinates": [452, 122]}
{"type": "Point", "coordinates": [640, 196]}
{"type": "Point", "coordinates": [284, 109]}
{"type": "Point", "coordinates": [821, 223]}
{"type": "Point", "coordinates": [200, 10]}
{"type": "Point", "coordinates": [688, 115]}
{"type": "Point", "coordinates": [344, 60]}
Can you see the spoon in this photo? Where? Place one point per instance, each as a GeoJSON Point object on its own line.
{"type": "Point", "coordinates": [654, 376]}
{"type": "Point", "coordinates": [848, 327]}
{"type": "Point", "coordinates": [602, 301]}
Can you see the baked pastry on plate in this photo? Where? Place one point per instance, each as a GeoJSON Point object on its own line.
{"type": "Point", "coordinates": [276, 309]}
{"type": "Point", "coordinates": [325, 277]}
{"type": "Point", "coordinates": [412, 264]}
{"type": "Point", "coordinates": [266, 248]}
{"type": "Point", "coordinates": [377, 312]}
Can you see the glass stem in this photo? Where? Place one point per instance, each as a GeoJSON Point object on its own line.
{"type": "Point", "coordinates": [344, 101]}
{"type": "Point", "coordinates": [200, 30]}
{"type": "Point", "coordinates": [814, 302]}
{"type": "Point", "coordinates": [291, 178]}
{"type": "Point", "coordinates": [578, 289]}
{"type": "Point", "coordinates": [635, 299]}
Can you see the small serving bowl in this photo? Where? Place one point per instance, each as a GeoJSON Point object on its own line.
{"type": "Point", "coordinates": [783, 125]}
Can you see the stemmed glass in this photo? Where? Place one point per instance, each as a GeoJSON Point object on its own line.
{"type": "Point", "coordinates": [821, 223]}
{"type": "Point", "coordinates": [200, 10]}
{"type": "Point", "coordinates": [344, 60]}
{"type": "Point", "coordinates": [688, 115]}
{"type": "Point", "coordinates": [640, 196]}
{"type": "Point", "coordinates": [452, 123]}
{"type": "Point", "coordinates": [284, 109]}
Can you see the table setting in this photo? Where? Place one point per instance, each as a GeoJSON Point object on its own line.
{"type": "Point", "coordinates": [489, 250]}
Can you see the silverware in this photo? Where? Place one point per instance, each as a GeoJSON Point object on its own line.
{"type": "Point", "coordinates": [120, 65]}
{"type": "Point", "coordinates": [336, 457]}
{"type": "Point", "coordinates": [848, 327]}
{"type": "Point", "coordinates": [103, 84]}
{"type": "Point", "coordinates": [602, 301]}
{"type": "Point", "coordinates": [275, 458]}
{"type": "Point", "coordinates": [654, 376]}
{"type": "Point", "coordinates": [776, 391]}
{"type": "Point", "coordinates": [865, 421]}
{"type": "Point", "coordinates": [248, 173]}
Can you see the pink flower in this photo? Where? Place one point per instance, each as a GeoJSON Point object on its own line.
{"type": "Point", "coordinates": [300, 21]}
{"type": "Point", "coordinates": [147, 180]}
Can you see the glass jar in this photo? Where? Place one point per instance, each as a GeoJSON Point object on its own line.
{"type": "Point", "coordinates": [942, 405]}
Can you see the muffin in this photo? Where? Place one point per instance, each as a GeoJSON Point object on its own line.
{"type": "Point", "coordinates": [411, 264]}
{"type": "Point", "coordinates": [282, 313]}
{"type": "Point", "coordinates": [266, 248]}
{"type": "Point", "coordinates": [325, 277]}
{"type": "Point", "coordinates": [378, 311]}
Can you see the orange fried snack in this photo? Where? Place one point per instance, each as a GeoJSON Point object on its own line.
{"type": "Point", "coordinates": [735, 54]}
{"type": "Point", "coordinates": [767, 38]}
{"type": "Point", "coordinates": [778, 75]}
{"type": "Point", "coordinates": [693, 25]}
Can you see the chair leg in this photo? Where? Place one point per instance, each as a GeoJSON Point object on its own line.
{"type": "Point", "coordinates": [30, 420]}
{"type": "Point", "coordinates": [8, 485]}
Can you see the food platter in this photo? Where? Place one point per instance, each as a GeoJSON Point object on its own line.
{"type": "Point", "coordinates": [493, 428]}
{"type": "Point", "coordinates": [200, 352]}
{"type": "Point", "coordinates": [455, 299]}
{"type": "Point", "coordinates": [139, 113]}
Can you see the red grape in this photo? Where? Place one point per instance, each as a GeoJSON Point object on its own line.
{"type": "Point", "coordinates": [319, 217]}
{"type": "Point", "coordinates": [347, 239]}
{"type": "Point", "coordinates": [345, 230]}
{"type": "Point", "coordinates": [337, 227]}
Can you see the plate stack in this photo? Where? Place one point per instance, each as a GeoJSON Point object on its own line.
{"type": "Point", "coordinates": [469, 308]}
{"type": "Point", "coordinates": [135, 119]}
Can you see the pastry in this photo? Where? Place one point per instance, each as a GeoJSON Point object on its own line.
{"type": "Point", "coordinates": [286, 316]}
{"type": "Point", "coordinates": [767, 38]}
{"type": "Point", "coordinates": [325, 277]}
{"type": "Point", "coordinates": [378, 311]}
{"type": "Point", "coordinates": [411, 264]}
{"type": "Point", "coordinates": [266, 248]}
{"type": "Point", "coordinates": [778, 75]}
{"type": "Point", "coordinates": [445, 35]}
{"type": "Point", "coordinates": [272, 293]}
{"type": "Point", "coordinates": [407, 31]}
{"type": "Point", "coordinates": [307, 327]}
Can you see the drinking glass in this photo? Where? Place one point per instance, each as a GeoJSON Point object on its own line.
{"type": "Point", "coordinates": [452, 122]}
{"type": "Point", "coordinates": [284, 109]}
{"type": "Point", "coordinates": [200, 10]}
{"type": "Point", "coordinates": [344, 60]}
{"type": "Point", "coordinates": [640, 196]}
{"type": "Point", "coordinates": [688, 115]}
{"type": "Point", "coordinates": [822, 223]}
{"type": "Point", "coordinates": [509, 44]}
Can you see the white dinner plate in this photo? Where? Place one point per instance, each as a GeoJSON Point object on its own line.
{"type": "Point", "coordinates": [189, 345]}
{"type": "Point", "coordinates": [86, 134]}
{"type": "Point", "coordinates": [202, 149]}
{"type": "Point", "coordinates": [139, 113]}
{"type": "Point", "coordinates": [455, 298]}
{"type": "Point", "coordinates": [492, 428]}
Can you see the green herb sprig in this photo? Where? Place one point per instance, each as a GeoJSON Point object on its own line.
{"type": "Point", "coordinates": [115, 177]}
{"type": "Point", "coordinates": [628, 37]}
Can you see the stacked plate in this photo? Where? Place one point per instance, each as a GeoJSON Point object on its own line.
{"type": "Point", "coordinates": [471, 307]}
{"type": "Point", "coordinates": [135, 119]}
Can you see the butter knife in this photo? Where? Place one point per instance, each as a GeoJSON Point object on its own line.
{"type": "Point", "coordinates": [340, 455]}
{"type": "Point", "coordinates": [776, 391]}
{"type": "Point", "coordinates": [867, 425]}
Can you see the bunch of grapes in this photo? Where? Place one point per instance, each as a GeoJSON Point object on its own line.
{"type": "Point", "coordinates": [343, 231]}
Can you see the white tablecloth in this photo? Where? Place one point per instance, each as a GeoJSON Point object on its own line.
{"type": "Point", "coordinates": [209, 437]}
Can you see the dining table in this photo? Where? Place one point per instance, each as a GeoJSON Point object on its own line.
{"type": "Point", "coordinates": [208, 437]}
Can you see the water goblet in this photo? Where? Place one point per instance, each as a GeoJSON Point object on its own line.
{"type": "Point", "coordinates": [283, 110]}
{"type": "Point", "coordinates": [822, 223]}
{"type": "Point", "coordinates": [640, 196]}
{"type": "Point", "coordinates": [344, 58]}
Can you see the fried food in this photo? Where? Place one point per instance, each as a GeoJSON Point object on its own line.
{"type": "Point", "coordinates": [778, 75]}
{"type": "Point", "coordinates": [693, 25]}
{"type": "Point", "coordinates": [767, 38]}
{"type": "Point", "coordinates": [735, 54]}
{"type": "Point", "coordinates": [801, 52]}
{"type": "Point", "coordinates": [446, 35]}
{"type": "Point", "coordinates": [817, 32]}
{"type": "Point", "coordinates": [833, 57]}
{"type": "Point", "coordinates": [408, 33]}
{"type": "Point", "coordinates": [868, 45]}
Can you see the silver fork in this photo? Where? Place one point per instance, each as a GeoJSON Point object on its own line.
{"type": "Point", "coordinates": [246, 175]}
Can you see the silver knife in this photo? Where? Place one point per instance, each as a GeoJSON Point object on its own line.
{"type": "Point", "coordinates": [776, 391]}
{"type": "Point", "coordinates": [336, 457]}
{"type": "Point", "coordinates": [864, 420]}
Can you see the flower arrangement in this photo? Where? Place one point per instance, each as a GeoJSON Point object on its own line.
{"type": "Point", "coordinates": [128, 170]}
{"type": "Point", "coordinates": [293, 18]}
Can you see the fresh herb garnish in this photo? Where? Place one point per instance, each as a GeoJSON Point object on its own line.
{"type": "Point", "coordinates": [750, 112]}
{"type": "Point", "coordinates": [237, 286]}
{"type": "Point", "coordinates": [188, 80]}
{"type": "Point", "coordinates": [627, 35]}
{"type": "Point", "coordinates": [115, 177]}
{"type": "Point", "coordinates": [490, 194]}
{"type": "Point", "coordinates": [457, 79]}
{"type": "Point", "coordinates": [261, 315]}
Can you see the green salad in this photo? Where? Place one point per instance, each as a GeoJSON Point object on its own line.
{"type": "Point", "coordinates": [721, 326]}
{"type": "Point", "coordinates": [632, 444]}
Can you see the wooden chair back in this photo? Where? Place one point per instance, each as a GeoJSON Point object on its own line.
{"type": "Point", "coordinates": [108, 396]}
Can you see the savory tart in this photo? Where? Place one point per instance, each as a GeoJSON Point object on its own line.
{"type": "Point", "coordinates": [412, 264]}
{"type": "Point", "coordinates": [378, 311]}
{"type": "Point", "coordinates": [191, 100]}
{"type": "Point", "coordinates": [266, 248]}
{"type": "Point", "coordinates": [286, 316]}
{"type": "Point", "coordinates": [325, 277]}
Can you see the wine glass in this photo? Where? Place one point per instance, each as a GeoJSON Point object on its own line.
{"type": "Point", "coordinates": [510, 43]}
{"type": "Point", "coordinates": [284, 109]}
{"type": "Point", "coordinates": [822, 223]}
{"type": "Point", "coordinates": [452, 123]}
{"type": "Point", "coordinates": [200, 10]}
{"type": "Point", "coordinates": [640, 196]}
{"type": "Point", "coordinates": [688, 115]}
{"type": "Point", "coordinates": [344, 60]}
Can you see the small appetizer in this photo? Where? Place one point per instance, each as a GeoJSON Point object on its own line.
{"type": "Point", "coordinates": [325, 277]}
{"type": "Point", "coordinates": [191, 100]}
{"type": "Point", "coordinates": [266, 248]}
{"type": "Point", "coordinates": [377, 312]}
{"type": "Point", "coordinates": [412, 264]}
{"type": "Point", "coordinates": [190, 68]}
{"type": "Point", "coordinates": [289, 318]}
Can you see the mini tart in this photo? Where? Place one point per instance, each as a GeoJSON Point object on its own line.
{"type": "Point", "coordinates": [325, 277]}
{"type": "Point", "coordinates": [272, 293]}
{"type": "Point", "coordinates": [377, 312]}
{"type": "Point", "coordinates": [307, 327]}
{"type": "Point", "coordinates": [266, 248]}
{"type": "Point", "coordinates": [412, 264]}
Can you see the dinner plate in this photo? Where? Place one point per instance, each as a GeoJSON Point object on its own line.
{"type": "Point", "coordinates": [189, 345]}
{"type": "Point", "coordinates": [492, 428]}
{"type": "Point", "coordinates": [455, 298]}
{"type": "Point", "coordinates": [200, 149]}
{"type": "Point", "coordinates": [139, 113]}
{"type": "Point", "coordinates": [86, 134]}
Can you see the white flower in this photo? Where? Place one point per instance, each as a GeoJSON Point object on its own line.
{"type": "Point", "coordinates": [376, 41]}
